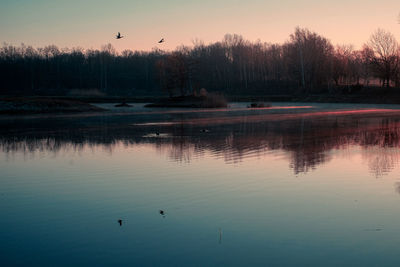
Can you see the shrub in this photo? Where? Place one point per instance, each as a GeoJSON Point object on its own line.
{"type": "Point", "coordinates": [213, 100]}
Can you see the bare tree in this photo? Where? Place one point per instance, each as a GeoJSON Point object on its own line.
{"type": "Point", "coordinates": [173, 73]}
{"type": "Point", "coordinates": [384, 59]}
{"type": "Point", "coordinates": [311, 55]}
{"type": "Point", "coordinates": [341, 64]}
{"type": "Point", "coordinates": [306, 63]}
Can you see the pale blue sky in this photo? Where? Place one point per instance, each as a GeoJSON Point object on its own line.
{"type": "Point", "coordinates": [90, 23]}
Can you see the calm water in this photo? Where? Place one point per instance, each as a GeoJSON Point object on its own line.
{"type": "Point", "coordinates": [300, 185]}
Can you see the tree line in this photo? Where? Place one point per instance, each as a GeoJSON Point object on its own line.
{"type": "Point", "coordinates": [306, 63]}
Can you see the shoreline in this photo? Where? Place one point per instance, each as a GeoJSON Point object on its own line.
{"type": "Point", "coordinates": [366, 99]}
{"type": "Point", "coordinates": [60, 104]}
{"type": "Point", "coordinates": [317, 98]}
{"type": "Point", "coordinates": [28, 105]}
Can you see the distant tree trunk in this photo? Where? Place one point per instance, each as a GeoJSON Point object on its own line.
{"type": "Point", "coordinates": [105, 78]}
{"type": "Point", "coordinates": [303, 81]}
{"type": "Point", "coordinates": [80, 77]}
{"type": "Point", "coordinates": [58, 73]}
{"type": "Point", "coordinates": [147, 73]}
{"type": "Point", "coordinates": [32, 76]}
{"type": "Point", "coordinates": [101, 72]}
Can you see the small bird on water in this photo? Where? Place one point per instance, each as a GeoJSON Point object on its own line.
{"type": "Point", "coordinates": [120, 222]}
{"type": "Point", "coordinates": [118, 36]}
{"type": "Point", "coordinates": [162, 212]}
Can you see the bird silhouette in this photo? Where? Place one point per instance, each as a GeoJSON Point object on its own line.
{"type": "Point", "coordinates": [161, 41]}
{"type": "Point", "coordinates": [162, 212]}
{"type": "Point", "coordinates": [120, 222]}
{"type": "Point", "coordinates": [118, 36]}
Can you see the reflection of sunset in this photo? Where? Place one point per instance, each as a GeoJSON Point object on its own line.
{"type": "Point", "coordinates": [263, 179]}
{"type": "Point", "coordinates": [216, 110]}
{"type": "Point", "coordinates": [269, 117]}
{"type": "Point", "coordinates": [306, 140]}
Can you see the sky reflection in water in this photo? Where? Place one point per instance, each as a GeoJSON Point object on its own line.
{"type": "Point", "coordinates": [262, 188]}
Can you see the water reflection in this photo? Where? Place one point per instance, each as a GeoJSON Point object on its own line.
{"type": "Point", "coordinates": [106, 191]}
{"type": "Point", "coordinates": [306, 141]}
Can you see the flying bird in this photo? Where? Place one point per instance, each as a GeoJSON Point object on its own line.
{"type": "Point", "coordinates": [161, 41]}
{"type": "Point", "coordinates": [118, 36]}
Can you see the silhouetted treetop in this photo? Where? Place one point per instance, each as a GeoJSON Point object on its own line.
{"type": "Point", "coordinates": [306, 63]}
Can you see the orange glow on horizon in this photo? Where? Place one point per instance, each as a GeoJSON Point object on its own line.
{"type": "Point", "coordinates": [143, 23]}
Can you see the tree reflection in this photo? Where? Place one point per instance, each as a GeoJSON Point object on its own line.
{"type": "Point", "coordinates": [305, 142]}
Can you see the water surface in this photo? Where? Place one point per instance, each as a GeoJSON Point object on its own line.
{"type": "Point", "coordinates": [295, 185]}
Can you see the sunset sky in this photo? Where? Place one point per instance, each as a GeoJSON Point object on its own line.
{"type": "Point", "coordinates": [92, 23]}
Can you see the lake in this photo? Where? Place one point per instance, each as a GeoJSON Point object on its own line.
{"type": "Point", "coordinates": [297, 184]}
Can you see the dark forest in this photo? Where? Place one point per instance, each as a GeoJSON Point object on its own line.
{"type": "Point", "coordinates": [307, 63]}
